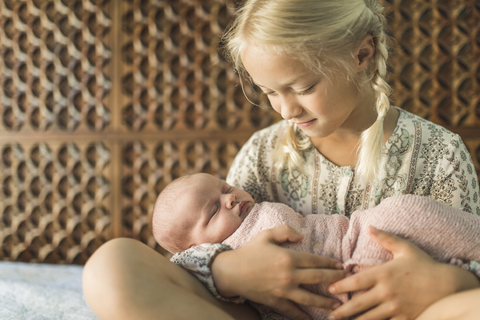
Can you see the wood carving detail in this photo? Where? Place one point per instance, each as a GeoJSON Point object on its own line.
{"type": "Point", "coordinates": [54, 204]}
{"type": "Point", "coordinates": [435, 67]}
{"type": "Point", "coordinates": [53, 58]}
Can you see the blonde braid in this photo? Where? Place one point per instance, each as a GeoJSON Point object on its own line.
{"type": "Point", "coordinates": [289, 152]}
{"type": "Point", "coordinates": [371, 140]}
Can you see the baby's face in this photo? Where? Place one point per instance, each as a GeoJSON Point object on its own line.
{"type": "Point", "coordinates": [215, 208]}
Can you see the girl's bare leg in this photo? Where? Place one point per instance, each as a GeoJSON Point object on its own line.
{"type": "Point", "coordinates": [125, 279]}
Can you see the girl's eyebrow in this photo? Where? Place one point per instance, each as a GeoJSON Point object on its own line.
{"type": "Point", "coordinates": [285, 85]}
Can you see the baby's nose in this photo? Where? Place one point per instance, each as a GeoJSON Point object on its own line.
{"type": "Point", "coordinates": [232, 198]}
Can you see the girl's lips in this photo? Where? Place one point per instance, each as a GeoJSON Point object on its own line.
{"type": "Point", "coordinates": [307, 124]}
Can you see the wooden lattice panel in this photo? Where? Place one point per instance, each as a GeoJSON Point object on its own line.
{"type": "Point", "coordinates": [55, 204]}
{"type": "Point", "coordinates": [435, 68]}
{"type": "Point", "coordinates": [53, 55]}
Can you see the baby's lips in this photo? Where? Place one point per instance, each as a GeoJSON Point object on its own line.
{"type": "Point", "coordinates": [242, 207]}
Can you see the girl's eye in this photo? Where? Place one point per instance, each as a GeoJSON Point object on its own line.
{"type": "Point", "coordinates": [301, 93]}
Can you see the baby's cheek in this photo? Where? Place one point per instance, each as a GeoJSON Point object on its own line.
{"type": "Point", "coordinates": [231, 229]}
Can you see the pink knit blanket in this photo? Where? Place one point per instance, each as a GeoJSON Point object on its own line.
{"type": "Point", "coordinates": [438, 229]}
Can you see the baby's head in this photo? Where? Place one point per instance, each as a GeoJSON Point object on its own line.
{"type": "Point", "coordinates": [196, 209]}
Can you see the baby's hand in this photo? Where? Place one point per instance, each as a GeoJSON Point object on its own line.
{"type": "Point", "coordinates": [266, 273]}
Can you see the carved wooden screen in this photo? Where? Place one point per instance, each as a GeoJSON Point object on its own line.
{"type": "Point", "coordinates": [105, 102]}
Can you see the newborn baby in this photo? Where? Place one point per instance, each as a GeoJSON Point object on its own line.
{"type": "Point", "coordinates": [201, 208]}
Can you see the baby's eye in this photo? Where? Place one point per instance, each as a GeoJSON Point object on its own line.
{"type": "Point", "coordinates": [215, 208]}
{"type": "Point", "coordinates": [227, 188]}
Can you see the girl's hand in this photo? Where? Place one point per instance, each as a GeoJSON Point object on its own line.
{"type": "Point", "coordinates": [401, 288]}
{"type": "Point", "coordinates": [263, 272]}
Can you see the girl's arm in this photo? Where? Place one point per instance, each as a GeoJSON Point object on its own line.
{"type": "Point", "coordinates": [403, 287]}
{"type": "Point", "coordinates": [459, 306]}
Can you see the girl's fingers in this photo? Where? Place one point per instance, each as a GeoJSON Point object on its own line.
{"type": "Point", "coordinates": [308, 298]}
{"type": "Point", "coordinates": [313, 276]}
{"type": "Point", "coordinates": [360, 281]}
{"type": "Point", "coordinates": [309, 260]}
{"type": "Point", "coordinates": [300, 259]}
{"type": "Point", "coordinates": [282, 234]}
{"type": "Point", "coordinates": [359, 303]}
{"type": "Point", "coordinates": [390, 242]}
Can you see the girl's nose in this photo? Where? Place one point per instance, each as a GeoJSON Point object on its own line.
{"type": "Point", "coordinates": [290, 108]}
{"type": "Point", "coordinates": [230, 200]}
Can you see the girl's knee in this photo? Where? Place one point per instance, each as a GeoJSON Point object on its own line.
{"type": "Point", "coordinates": [117, 271]}
{"type": "Point", "coordinates": [104, 260]}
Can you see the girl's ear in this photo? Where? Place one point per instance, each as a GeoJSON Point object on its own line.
{"type": "Point", "coordinates": [364, 53]}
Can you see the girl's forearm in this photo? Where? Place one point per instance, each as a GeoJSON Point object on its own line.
{"type": "Point", "coordinates": [460, 306]}
{"type": "Point", "coordinates": [461, 279]}
{"type": "Point", "coordinates": [219, 277]}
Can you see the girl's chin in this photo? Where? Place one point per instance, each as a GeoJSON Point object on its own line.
{"type": "Point", "coordinates": [317, 134]}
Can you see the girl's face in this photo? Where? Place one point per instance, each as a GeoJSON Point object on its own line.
{"type": "Point", "coordinates": [318, 105]}
{"type": "Point", "coordinates": [213, 208]}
